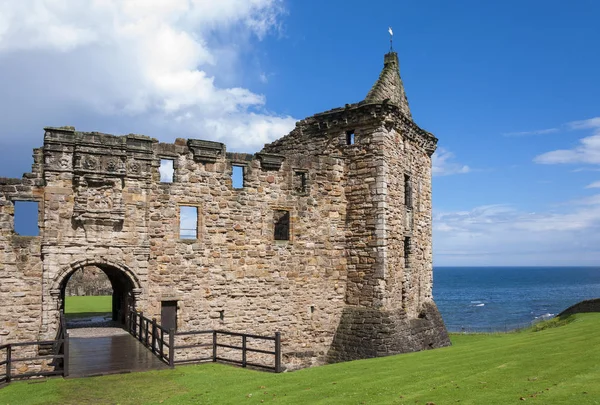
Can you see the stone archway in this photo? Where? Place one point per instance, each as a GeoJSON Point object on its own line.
{"type": "Point", "coordinates": [125, 284]}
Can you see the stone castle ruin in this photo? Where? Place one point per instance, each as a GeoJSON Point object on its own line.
{"type": "Point", "coordinates": [327, 238]}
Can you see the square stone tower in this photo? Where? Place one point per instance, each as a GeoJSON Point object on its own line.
{"type": "Point", "coordinates": [386, 177]}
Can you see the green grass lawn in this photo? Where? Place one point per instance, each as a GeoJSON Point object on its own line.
{"type": "Point", "coordinates": [559, 364]}
{"type": "Point", "coordinates": [87, 306]}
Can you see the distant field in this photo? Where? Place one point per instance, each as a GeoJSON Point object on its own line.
{"type": "Point", "coordinates": [87, 306]}
{"type": "Point", "coordinates": [555, 363]}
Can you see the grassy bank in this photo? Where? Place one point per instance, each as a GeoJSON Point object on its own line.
{"type": "Point", "coordinates": [87, 306]}
{"type": "Point", "coordinates": [559, 364]}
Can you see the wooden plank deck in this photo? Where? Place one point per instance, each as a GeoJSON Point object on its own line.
{"type": "Point", "coordinates": [119, 353]}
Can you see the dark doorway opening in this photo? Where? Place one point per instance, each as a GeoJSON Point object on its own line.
{"type": "Point", "coordinates": [168, 314]}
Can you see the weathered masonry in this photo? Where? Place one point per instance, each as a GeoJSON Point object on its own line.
{"type": "Point", "coordinates": [325, 236]}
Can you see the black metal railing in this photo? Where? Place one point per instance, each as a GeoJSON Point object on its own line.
{"type": "Point", "coordinates": [242, 348]}
{"type": "Point", "coordinates": [162, 342]}
{"type": "Point", "coordinates": [58, 350]}
{"type": "Point", "coordinates": [150, 334]}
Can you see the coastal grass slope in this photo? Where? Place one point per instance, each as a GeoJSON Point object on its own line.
{"type": "Point", "coordinates": [558, 362]}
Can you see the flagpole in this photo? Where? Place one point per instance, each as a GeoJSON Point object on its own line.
{"type": "Point", "coordinates": [391, 38]}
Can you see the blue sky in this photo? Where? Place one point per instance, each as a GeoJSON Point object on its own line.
{"type": "Point", "coordinates": [510, 88]}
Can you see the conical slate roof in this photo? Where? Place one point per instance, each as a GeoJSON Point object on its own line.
{"type": "Point", "coordinates": [389, 86]}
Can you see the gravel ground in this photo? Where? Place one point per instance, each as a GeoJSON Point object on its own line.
{"type": "Point", "coordinates": [96, 332]}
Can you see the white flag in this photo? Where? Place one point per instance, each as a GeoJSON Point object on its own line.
{"type": "Point", "coordinates": [390, 31]}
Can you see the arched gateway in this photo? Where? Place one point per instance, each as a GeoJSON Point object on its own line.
{"type": "Point", "coordinates": [125, 285]}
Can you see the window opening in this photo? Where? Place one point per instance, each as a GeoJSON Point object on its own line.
{"type": "Point", "coordinates": [222, 314]}
{"type": "Point", "coordinates": [188, 222]}
{"type": "Point", "coordinates": [282, 225]}
{"type": "Point", "coordinates": [26, 218]}
{"type": "Point", "coordinates": [167, 170]}
{"type": "Point", "coordinates": [407, 191]}
{"type": "Point", "coordinates": [300, 182]}
{"type": "Point", "coordinates": [350, 138]}
{"type": "Point", "coordinates": [407, 248]}
{"type": "Point", "coordinates": [237, 176]}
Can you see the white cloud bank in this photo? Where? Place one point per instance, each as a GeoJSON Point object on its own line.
{"type": "Point", "coordinates": [503, 235]}
{"type": "Point", "coordinates": [534, 132]}
{"type": "Point", "coordinates": [158, 66]}
{"type": "Point", "coordinates": [588, 150]}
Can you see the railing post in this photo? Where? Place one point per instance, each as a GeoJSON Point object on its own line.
{"type": "Point", "coordinates": [8, 362]}
{"type": "Point", "coordinates": [153, 335]}
{"type": "Point", "coordinates": [243, 350]}
{"type": "Point", "coordinates": [172, 348]}
{"type": "Point", "coordinates": [214, 346]}
{"type": "Point", "coordinates": [66, 354]}
{"type": "Point", "coordinates": [278, 352]}
{"type": "Point", "coordinates": [146, 322]}
{"type": "Point", "coordinates": [141, 316]}
{"type": "Point", "coordinates": [162, 342]}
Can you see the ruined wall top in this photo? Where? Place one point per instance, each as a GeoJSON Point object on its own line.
{"type": "Point", "coordinates": [363, 113]}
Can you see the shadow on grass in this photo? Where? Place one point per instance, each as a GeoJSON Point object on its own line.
{"type": "Point", "coordinates": [86, 315]}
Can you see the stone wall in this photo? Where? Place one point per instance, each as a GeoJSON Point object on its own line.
{"type": "Point", "coordinates": [20, 260]}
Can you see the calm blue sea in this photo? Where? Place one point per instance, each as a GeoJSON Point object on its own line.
{"type": "Point", "coordinates": [498, 298]}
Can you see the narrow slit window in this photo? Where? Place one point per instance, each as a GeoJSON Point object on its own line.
{"type": "Point", "coordinates": [350, 137]}
{"type": "Point", "coordinates": [26, 218]}
{"type": "Point", "coordinates": [282, 225]}
{"type": "Point", "coordinates": [188, 222]}
{"type": "Point", "coordinates": [237, 176]}
{"type": "Point", "coordinates": [300, 182]}
{"type": "Point", "coordinates": [407, 249]}
{"type": "Point", "coordinates": [167, 170]}
{"type": "Point", "coordinates": [407, 191]}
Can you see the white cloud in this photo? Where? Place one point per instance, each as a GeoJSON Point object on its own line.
{"type": "Point", "coordinates": [166, 170]}
{"type": "Point", "coordinates": [535, 132]}
{"type": "Point", "coordinates": [443, 164]}
{"type": "Point", "coordinates": [141, 64]}
{"type": "Point", "coordinates": [588, 150]}
{"type": "Point", "coordinates": [595, 184]}
{"type": "Point", "coordinates": [592, 123]}
{"type": "Point", "coordinates": [503, 235]}
{"type": "Point", "coordinates": [188, 222]}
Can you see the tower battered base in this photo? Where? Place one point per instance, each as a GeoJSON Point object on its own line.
{"type": "Point", "coordinates": [366, 332]}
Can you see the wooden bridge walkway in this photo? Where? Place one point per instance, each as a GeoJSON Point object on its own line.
{"type": "Point", "coordinates": [108, 351]}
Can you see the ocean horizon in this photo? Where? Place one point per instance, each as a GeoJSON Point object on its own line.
{"type": "Point", "coordinates": [496, 298]}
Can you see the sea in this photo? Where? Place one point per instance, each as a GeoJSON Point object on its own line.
{"type": "Point", "coordinates": [489, 299]}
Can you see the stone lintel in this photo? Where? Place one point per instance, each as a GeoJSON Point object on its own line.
{"type": "Point", "coordinates": [62, 130]}
{"type": "Point", "coordinates": [171, 297]}
{"type": "Point", "coordinates": [55, 138]}
{"type": "Point", "coordinates": [206, 151]}
{"type": "Point", "coordinates": [270, 161]}
{"type": "Point", "coordinates": [238, 157]}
